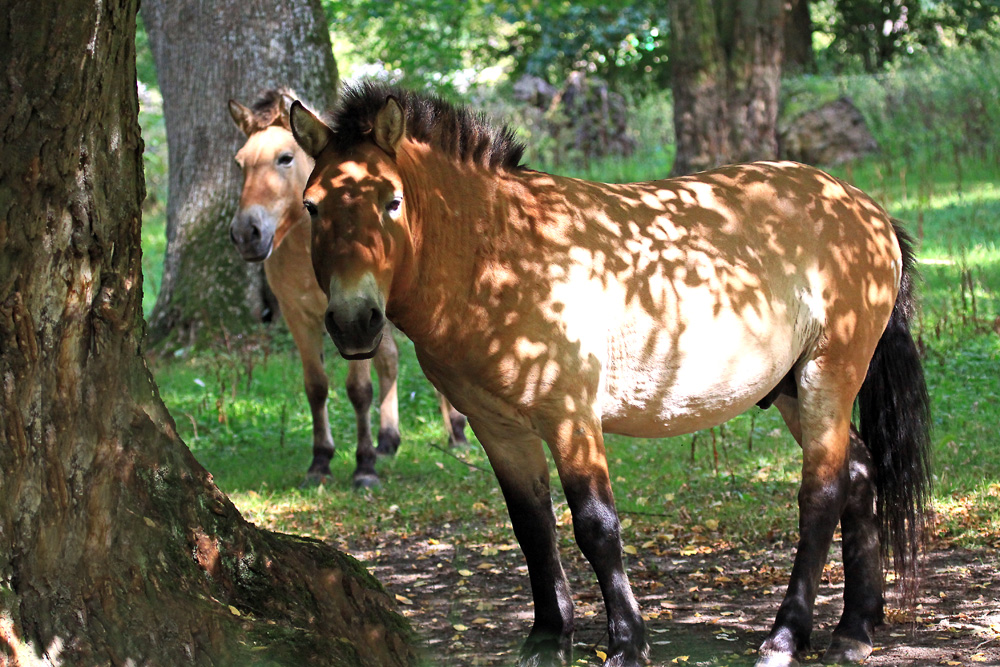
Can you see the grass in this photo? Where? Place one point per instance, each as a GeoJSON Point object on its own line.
{"type": "Point", "coordinates": [241, 409]}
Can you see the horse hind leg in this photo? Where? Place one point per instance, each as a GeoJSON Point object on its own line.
{"type": "Point", "coordinates": [387, 368]}
{"type": "Point", "coordinates": [359, 391]}
{"type": "Point", "coordinates": [820, 420]}
{"type": "Point", "coordinates": [454, 422]}
{"type": "Point", "coordinates": [853, 639]}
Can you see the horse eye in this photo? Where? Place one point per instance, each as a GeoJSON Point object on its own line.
{"type": "Point", "coordinates": [392, 208]}
{"type": "Point", "coordinates": [285, 159]}
{"type": "Point", "coordinates": [310, 208]}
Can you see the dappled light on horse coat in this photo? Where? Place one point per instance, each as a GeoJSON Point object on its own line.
{"type": "Point", "coordinates": [554, 309]}
{"type": "Point", "coordinates": [272, 226]}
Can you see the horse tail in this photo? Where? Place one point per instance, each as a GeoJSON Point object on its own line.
{"type": "Point", "coordinates": [894, 411]}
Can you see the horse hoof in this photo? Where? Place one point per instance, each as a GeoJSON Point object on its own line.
{"type": "Point", "coordinates": [314, 478]}
{"type": "Point", "coordinates": [388, 442]}
{"type": "Point", "coordinates": [844, 650]}
{"type": "Point", "coordinates": [546, 651]}
{"type": "Point", "coordinates": [628, 659]}
{"type": "Point", "coordinates": [366, 481]}
{"type": "Point", "coordinates": [776, 660]}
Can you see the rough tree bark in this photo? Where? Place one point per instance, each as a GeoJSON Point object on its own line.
{"type": "Point", "coordinates": [207, 52]}
{"type": "Point", "coordinates": [115, 546]}
{"type": "Point", "coordinates": [726, 70]}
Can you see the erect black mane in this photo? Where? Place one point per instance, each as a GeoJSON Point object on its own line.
{"type": "Point", "coordinates": [466, 135]}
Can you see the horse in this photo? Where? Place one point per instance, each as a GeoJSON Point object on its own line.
{"type": "Point", "coordinates": [271, 226]}
{"type": "Point", "coordinates": [552, 310]}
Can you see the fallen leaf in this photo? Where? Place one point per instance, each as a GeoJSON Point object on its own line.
{"type": "Point", "coordinates": [402, 599]}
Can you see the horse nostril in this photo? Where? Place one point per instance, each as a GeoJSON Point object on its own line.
{"type": "Point", "coordinates": [255, 232]}
{"type": "Point", "coordinates": [376, 321]}
{"type": "Point", "coordinates": [331, 324]}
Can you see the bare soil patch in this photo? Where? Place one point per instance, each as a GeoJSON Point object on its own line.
{"type": "Point", "coordinates": [471, 606]}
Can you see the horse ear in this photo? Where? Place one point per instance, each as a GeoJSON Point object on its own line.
{"type": "Point", "coordinates": [242, 116]}
{"type": "Point", "coordinates": [286, 102]}
{"type": "Point", "coordinates": [390, 125]}
{"type": "Point", "coordinates": [310, 132]}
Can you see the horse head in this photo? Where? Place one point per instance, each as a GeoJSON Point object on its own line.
{"type": "Point", "coordinates": [354, 197]}
{"type": "Point", "coordinates": [275, 170]}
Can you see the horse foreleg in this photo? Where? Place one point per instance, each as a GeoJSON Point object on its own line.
{"type": "Point", "coordinates": [578, 450]}
{"type": "Point", "coordinates": [863, 601]}
{"type": "Point", "coordinates": [359, 391]}
{"type": "Point", "coordinates": [822, 425]}
{"type": "Point", "coordinates": [387, 368]}
{"type": "Point", "coordinates": [308, 339]}
{"type": "Point", "coordinates": [454, 422]}
{"type": "Point", "coordinates": [518, 460]}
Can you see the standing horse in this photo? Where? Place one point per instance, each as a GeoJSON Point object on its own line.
{"type": "Point", "coordinates": [554, 309]}
{"type": "Point", "coordinates": [272, 226]}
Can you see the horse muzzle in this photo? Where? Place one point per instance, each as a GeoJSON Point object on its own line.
{"type": "Point", "coordinates": [357, 334]}
{"type": "Point", "coordinates": [252, 232]}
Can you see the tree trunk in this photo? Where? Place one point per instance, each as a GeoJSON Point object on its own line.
{"type": "Point", "coordinates": [799, 56]}
{"type": "Point", "coordinates": [115, 546]}
{"type": "Point", "coordinates": [207, 52]}
{"type": "Point", "coordinates": [726, 71]}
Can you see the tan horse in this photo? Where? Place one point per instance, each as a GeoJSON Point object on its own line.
{"type": "Point", "coordinates": [272, 226]}
{"type": "Point", "coordinates": [553, 309]}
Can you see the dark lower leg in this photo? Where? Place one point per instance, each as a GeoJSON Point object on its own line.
{"type": "Point", "coordinates": [551, 638]}
{"type": "Point", "coordinates": [359, 391]}
{"type": "Point", "coordinates": [597, 530]}
{"type": "Point", "coordinates": [863, 601]}
{"type": "Point", "coordinates": [820, 506]}
{"type": "Point", "coordinates": [323, 447]}
{"type": "Point", "coordinates": [521, 468]}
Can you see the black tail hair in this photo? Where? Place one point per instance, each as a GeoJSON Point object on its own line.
{"type": "Point", "coordinates": [895, 424]}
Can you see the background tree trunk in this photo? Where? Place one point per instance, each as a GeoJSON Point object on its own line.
{"type": "Point", "coordinates": [726, 71]}
{"type": "Point", "coordinates": [799, 56]}
{"type": "Point", "coordinates": [115, 546]}
{"type": "Point", "coordinates": [207, 52]}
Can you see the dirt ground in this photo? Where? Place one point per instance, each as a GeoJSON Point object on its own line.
{"type": "Point", "coordinates": [704, 605]}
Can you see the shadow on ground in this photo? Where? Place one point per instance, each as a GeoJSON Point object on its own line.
{"type": "Point", "coordinates": [470, 603]}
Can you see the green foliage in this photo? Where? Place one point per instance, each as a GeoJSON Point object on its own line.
{"type": "Point", "coordinates": [623, 43]}
{"type": "Point", "coordinates": [447, 44]}
{"type": "Point", "coordinates": [871, 35]}
{"type": "Point", "coordinates": [428, 43]}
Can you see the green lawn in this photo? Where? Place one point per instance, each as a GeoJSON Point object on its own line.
{"type": "Point", "coordinates": [244, 415]}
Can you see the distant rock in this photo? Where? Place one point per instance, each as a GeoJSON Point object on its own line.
{"type": "Point", "coordinates": [584, 118]}
{"type": "Point", "coordinates": [829, 135]}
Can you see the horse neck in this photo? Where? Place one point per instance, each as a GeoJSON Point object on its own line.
{"type": "Point", "coordinates": [453, 209]}
{"type": "Point", "coordinates": [293, 245]}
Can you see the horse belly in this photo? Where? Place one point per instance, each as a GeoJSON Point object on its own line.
{"type": "Point", "coordinates": [682, 381]}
